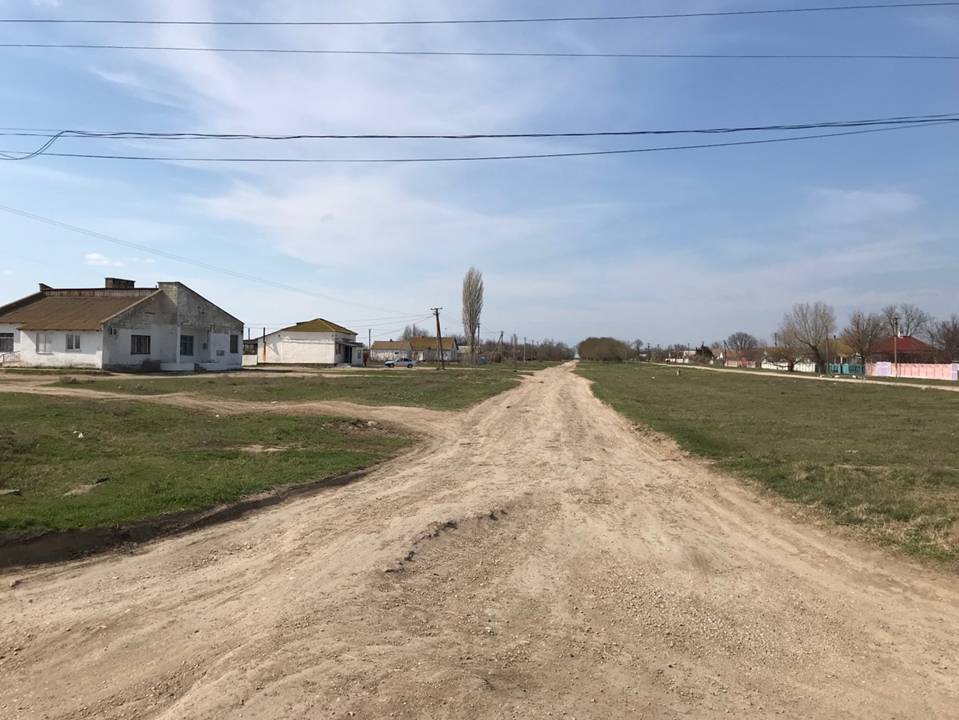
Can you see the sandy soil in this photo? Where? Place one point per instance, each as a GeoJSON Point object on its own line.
{"type": "Point", "coordinates": [534, 557]}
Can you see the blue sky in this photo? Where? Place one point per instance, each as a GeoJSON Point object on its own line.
{"type": "Point", "coordinates": [667, 247]}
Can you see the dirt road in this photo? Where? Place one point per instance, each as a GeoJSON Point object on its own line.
{"type": "Point", "coordinates": [535, 558]}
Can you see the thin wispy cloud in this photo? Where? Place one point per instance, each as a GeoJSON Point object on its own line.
{"type": "Point", "coordinates": [671, 246]}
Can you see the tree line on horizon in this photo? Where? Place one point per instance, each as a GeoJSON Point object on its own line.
{"type": "Point", "coordinates": [808, 332]}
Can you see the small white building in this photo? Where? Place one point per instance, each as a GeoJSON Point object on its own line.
{"type": "Point", "coordinates": [120, 327]}
{"type": "Point", "coordinates": [427, 349]}
{"type": "Point", "coordinates": [313, 342]}
{"type": "Point", "coordinates": [384, 350]}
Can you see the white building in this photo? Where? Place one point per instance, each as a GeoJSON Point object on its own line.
{"type": "Point", "coordinates": [120, 327]}
{"type": "Point", "coordinates": [384, 350]}
{"type": "Point", "coordinates": [313, 342]}
{"type": "Point", "coordinates": [426, 349]}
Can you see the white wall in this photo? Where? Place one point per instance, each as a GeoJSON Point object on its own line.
{"type": "Point", "coordinates": [89, 356]}
{"type": "Point", "coordinates": [163, 347]}
{"type": "Point", "coordinates": [220, 357]}
{"type": "Point", "coordinates": [307, 348]}
{"type": "Point", "coordinates": [384, 355]}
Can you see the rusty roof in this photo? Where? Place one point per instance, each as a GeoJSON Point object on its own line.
{"type": "Point", "coordinates": [45, 311]}
{"type": "Point", "coordinates": [317, 325]}
{"type": "Point", "coordinates": [391, 345]}
{"type": "Point", "coordinates": [430, 343]}
{"type": "Point", "coordinates": [904, 345]}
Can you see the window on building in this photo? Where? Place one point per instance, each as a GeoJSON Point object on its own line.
{"type": "Point", "coordinates": [6, 342]}
{"type": "Point", "coordinates": [234, 344]}
{"type": "Point", "coordinates": [44, 343]}
{"type": "Point", "coordinates": [73, 342]}
{"type": "Point", "coordinates": [139, 344]}
{"type": "Point", "coordinates": [186, 345]}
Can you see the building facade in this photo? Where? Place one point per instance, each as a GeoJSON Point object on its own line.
{"type": "Point", "coordinates": [384, 350]}
{"type": "Point", "coordinates": [426, 349]}
{"type": "Point", "coordinates": [313, 342]}
{"type": "Point", "coordinates": [120, 327]}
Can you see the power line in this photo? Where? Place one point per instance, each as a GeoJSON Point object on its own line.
{"type": "Point", "coordinates": [181, 258]}
{"type": "Point", "coordinates": [483, 21]}
{"type": "Point", "coordinates": [358, 323]}
{"type": "Point", "coordinates": [475, 53]}
{"type": "Point", "coordinates": [55, 134]}
{"type": "Point", "coordinates": [9, 154]}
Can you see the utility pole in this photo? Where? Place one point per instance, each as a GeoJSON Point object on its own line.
{"type": "Point", "coordinates": [524, 349]}
{"type": "Point", "coordinates": [263, 343]}
{"type": "Point", "coordinates": [439, 336]}
{"type": "Point", "coordinates": [500, 349]}
{"type": "Point", "coordinates": [895, 344]}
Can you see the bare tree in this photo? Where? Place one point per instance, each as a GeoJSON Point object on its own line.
{"type": "Point", "coordinates": [412, 331]}
{"type": "Point", "coordinates": [945, 337]}
{"type": "Point", "coordinates": [808, 327]}
{"type": "Point", "coordinates": [472, 307]}
{"type": "Point", "coordinates": [911, 320]}
{"type": "Point", "coordinates": [864, 333]}
{"type": "Point", "coordinates": [744, 345]}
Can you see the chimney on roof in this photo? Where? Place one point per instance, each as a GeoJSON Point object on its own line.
{"type": "Point", "coordinates": [119, 284]}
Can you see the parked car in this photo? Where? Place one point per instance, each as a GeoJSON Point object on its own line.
{"type": "Point", "coordinates": [400, 361]}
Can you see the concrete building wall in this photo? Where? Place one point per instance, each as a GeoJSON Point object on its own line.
{"type": "Point", "coordinates": [30, 352]}
{"type": "Point", "coordinates": [384, 355]}
{"type": "Point", "coordinates": [164, 317]}
{"type": "Point", "coordinates": [175, 312]}
{"type": "Point", "coordinates": [309, 348]}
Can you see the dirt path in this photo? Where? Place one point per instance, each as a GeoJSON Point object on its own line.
{"type": "Point", "coordinates": [535, 558]}
{"type": "Point", "coordinates": [422, 420]}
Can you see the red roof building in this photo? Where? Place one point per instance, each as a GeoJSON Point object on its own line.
{"type": "Point", "coordinates": [905, 349]}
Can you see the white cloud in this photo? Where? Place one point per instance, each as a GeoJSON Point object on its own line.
{"type": "Point", "coordinates": [342, 221]}
{"type": "Point", "coordinates": [95, 259]}
{"type": "Point", "coordinates": [6, 272]}
{"type": "Point", "coordinates": [854, 207]}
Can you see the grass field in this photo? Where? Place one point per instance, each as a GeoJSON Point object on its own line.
{"type": "Point", "coordinates": [453, 389]}
{"type": "Point", "coordinates": [884, 459]}
{"type": "Point", "coordinates": [138, 460]}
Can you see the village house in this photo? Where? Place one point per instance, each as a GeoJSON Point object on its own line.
{"type": "Point", "coordinates": [385, 350]}
{"type": "Point", "coordinates": [120, 327]}
{"type": "Point", "coordinates": [426, 349]}
{"type": "Point", "coordinates": [312, 342]}
{"type": "Point", "coordinates": [904, 349]}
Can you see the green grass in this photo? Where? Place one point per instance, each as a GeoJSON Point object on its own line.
{"type": "Point", "coordinates": [453, 389]}
{"type": "Point", "coordinates": [157, 459]}
{"type": "Point", "coordinates": [883, 459]}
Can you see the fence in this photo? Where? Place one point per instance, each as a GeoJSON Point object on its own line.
{"type": "Point", "coordinates": [919, 371]}
{"type": "Point", "coordinates": [846, 369]}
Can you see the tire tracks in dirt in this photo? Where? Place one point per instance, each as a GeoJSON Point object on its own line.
{"type": "Point", "coordinates": [533, 556]}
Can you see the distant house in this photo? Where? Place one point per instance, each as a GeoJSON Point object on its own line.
{"type": "Point", "coordinates": [383, 350]}
{"type": "Point", "coordinates": [681, 357]}
{"type": "Point", "coordinates": [426, 349]}
{"type": "Point", "coordinates": [313, 342]}
{"type": "Point", "coordinates": [736, 359]}
{"type": "Point", "coordinates": [905, 349]}
{"type": "Point", "coordinates": [119, 327]}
